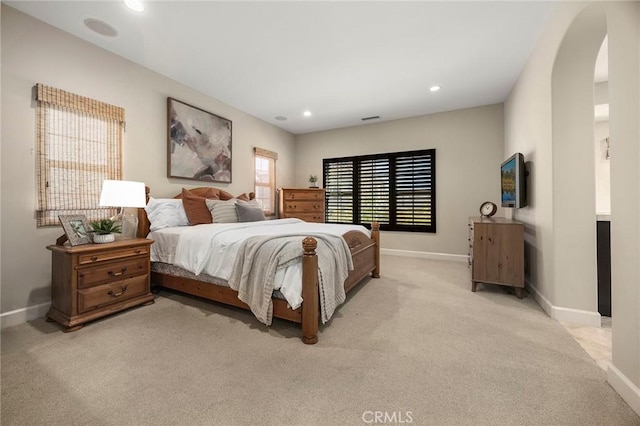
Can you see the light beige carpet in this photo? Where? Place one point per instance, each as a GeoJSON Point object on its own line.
{"type": "Point", "coordinates": [415, 346]}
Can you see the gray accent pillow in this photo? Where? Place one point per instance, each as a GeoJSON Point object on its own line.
{"type": "Point", "coordinates": [223, 211]}
{"type": "Point", "coordinates": [248, 213]}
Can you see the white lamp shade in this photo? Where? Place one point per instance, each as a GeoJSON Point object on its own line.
{"type": "Point", "coordinates": [122, 193]}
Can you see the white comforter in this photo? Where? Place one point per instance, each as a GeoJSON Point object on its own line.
{"type": "Point", "coordinates": [213, 248]}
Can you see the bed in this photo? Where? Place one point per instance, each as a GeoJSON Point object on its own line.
{"type": "Point", "coordinates": [365, 260]}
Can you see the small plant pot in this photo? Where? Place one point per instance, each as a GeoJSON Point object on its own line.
{"type": "Point", "coordinates": [104, 238]}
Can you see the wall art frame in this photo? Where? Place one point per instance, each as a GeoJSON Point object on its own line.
{"type": "Point", "coordinates": [198, 143]}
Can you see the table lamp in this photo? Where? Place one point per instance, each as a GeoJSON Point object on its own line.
{"type": "Point", "coordinates": [121, 194]}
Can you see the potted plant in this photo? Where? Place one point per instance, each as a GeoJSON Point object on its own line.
{"type": "Point", "coordinates": [313, 179]}
{"type": "Point", "coordinates": [104, 230]}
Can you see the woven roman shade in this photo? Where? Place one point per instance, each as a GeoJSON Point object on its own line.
{"type": "Point", "coordinates": [261, 152]}
{"type": "Point", "coordinates": [79, 146]}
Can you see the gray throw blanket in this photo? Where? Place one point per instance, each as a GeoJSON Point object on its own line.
{"type": "Point", "coordinates": [259, 257]}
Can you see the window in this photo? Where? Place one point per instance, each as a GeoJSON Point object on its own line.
{"type": "Point", "coordinates": [265, 181]}
{"type": "Point", "coordinates": [395, 189]}
{"type": "Point", "coordinates": [79, 146]}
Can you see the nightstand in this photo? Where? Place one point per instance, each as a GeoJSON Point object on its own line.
{"type": "Point", "coordinates": [94, 280]}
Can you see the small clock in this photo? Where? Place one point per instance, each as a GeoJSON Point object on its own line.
{"type": "Point", "coordinates": [488, 209]}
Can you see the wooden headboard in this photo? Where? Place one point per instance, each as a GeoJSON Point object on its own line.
{"type": "Point", "coordinates": [143, 220]}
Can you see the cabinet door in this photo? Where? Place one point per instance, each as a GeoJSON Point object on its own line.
{"type": "Point", "coordinates": [498, 252]}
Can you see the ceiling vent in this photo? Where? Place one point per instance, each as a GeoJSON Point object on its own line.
{"type": "Point", "coordinates": [373, 117]}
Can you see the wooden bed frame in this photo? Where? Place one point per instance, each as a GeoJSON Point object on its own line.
{"type": "Point", "coordinates": [365, 252]}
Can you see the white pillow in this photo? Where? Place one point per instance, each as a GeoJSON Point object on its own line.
{"type": "Point", "coordinates": [223, 211]}
{"type": "Point", "coordinates": [165, 213]}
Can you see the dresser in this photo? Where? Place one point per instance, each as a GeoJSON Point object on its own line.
{"type": "Point", "coordinates": [94, 280]}
{"type": "Point", "coordinates": [303, 203]}
{"type": "Point", "coordinates": [496, 252]}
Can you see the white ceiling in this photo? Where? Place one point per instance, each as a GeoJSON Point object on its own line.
{"type": "Point", "coordinates": [340, 60]}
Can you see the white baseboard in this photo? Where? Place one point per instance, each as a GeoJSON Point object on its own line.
{"type": "Point", "coordinates": [20, 316]}
{"type": "Point", "coordinates": [424, 255]}
{"type": "Point", "coordinates": [559, 313]}
{"type": "Point", "coordinates": [625, 387]}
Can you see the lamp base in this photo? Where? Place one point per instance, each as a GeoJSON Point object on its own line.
{"type": "Point", "coordinates": [128, 225]}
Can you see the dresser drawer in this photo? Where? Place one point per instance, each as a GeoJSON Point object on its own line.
{"type": "Point", "coordinates": [303, 195]}
{"type": "Point", "coordinates": [307, 217]}
{"type": "Point", "coordinates": [112, 271]}
{"type": "Point", "coordinates": [303, 206]}
{"type": "Point", "coordinates": [106, 294]}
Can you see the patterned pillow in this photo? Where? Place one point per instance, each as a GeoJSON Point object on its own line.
{"type": "Point", "coordinates": [223, 211]}
{"type": "Point", "coordinates": [249, 213]}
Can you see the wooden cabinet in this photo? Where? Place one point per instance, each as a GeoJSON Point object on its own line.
{"type": "Point", "coordinates": [496, 252]}
{"type": "Point", "coordinates": [304, 203]}
{"type": "Point", "coordinates": [94, 280]}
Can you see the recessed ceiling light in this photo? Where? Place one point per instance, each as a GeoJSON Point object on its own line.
{"type": "Point", "coordinates": [281, 118]}
{"type": "Point", "coordinates": [307, 113]}
{"type": "Point", "coordinates": [135, 5]}
{"type": "Point", "coordinates": [100, 27]}
{"type": "Point", "coordinates": [434, 88]}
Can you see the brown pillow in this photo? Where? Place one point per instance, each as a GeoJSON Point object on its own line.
{"type": "Point", "coordinates": [224, 195]}
{"type": "Point", "coordinates": [196, 208]}
{"type": "Point", "coordinates": [243, 197]}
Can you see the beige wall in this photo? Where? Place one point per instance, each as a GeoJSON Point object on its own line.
{"type": "Point", "coordinates": [468, 147]}
{"type": "Point", "coordinates": [529, 129]}
{"type": "Point", "coordinates": [603, 168]}
{"type": "Point", "coordinates": [572, 93]}
{"type": "Point", "coordinates": [33, 52]}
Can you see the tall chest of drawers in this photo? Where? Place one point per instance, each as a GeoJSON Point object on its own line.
{"type": "Point", "coordinates": [303, 203]}
{"type": "Point", "coordinates": [94, 280]}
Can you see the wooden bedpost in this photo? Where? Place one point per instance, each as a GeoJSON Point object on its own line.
{"type": "Point", "coordinates": [310, 309]}
{"type": "Point", "coordinates": [143, 220]}
{"type": "Point", "coordinates": [375, 236]}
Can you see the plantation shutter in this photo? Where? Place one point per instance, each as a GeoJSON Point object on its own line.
{"type": "Point", "coordinates": [338, 184]}
{"type": "Point", "coordinates": [414, 189]}
{"type": "Point", "coordinates": [373, 184]}
{"type": "Point", "coordinates": [79, 146]}
{"type": "Point", "coordinates": [395, 189]}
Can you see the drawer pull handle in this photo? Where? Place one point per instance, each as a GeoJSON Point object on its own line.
{"type": "Point", "coordinates": [94, 258]}
{"type": "Point", "coordinates": [117, 274]}
{"type": "Point", "coordinates": [138, 251]}
{"type": "Point", "coordinates": [122, 290]}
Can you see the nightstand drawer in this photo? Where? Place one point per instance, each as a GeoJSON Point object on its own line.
{"type": "Point", "coordinates": [303, 206]}
{"type": "Point", "coordinates": [112, 271]}
{"type": "Point", "coordinates": [106, 294]}
{"type": "Point", "coordinates": [113, 254]}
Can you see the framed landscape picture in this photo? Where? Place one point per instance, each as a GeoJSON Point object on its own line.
{"type": "Point", "coordinates": [199, 144]}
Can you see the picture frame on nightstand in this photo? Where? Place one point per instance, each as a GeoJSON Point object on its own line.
{"type": "Point", "coordinates": [76, 229]}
